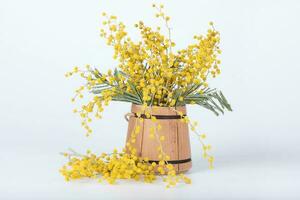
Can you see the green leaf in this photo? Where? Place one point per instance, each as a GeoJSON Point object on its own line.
{"type": "Point", "coordinates": [208, 106]}
{"type": "Point", "coordinates": [211, 99]}
{"type": "Point", "coordinates": [228, 106]}
{"type": "Point", "coordinates": [133, 88]}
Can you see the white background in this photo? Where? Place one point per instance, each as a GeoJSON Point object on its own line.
{"type": "Point", "coordinates": [256, 146]}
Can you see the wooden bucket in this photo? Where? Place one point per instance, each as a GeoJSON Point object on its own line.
{"type": "Point", "coordinates": [176, 133]}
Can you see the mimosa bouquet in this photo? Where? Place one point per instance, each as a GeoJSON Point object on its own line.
{"type": "Point", "coordinates": [156, 79]}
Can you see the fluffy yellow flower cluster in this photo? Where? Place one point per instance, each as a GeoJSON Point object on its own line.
{"type": "Point", "coordinates": [118, 165]}
{"type": "Point", "coordinates": [150, 73]}
{"type": "Point", "coordinates": [162, 76]}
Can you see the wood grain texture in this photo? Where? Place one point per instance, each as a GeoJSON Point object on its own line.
{"type": "Point", "coordinates": [132, 123]}
{"type": "Point", "coordinates": [176, 144]}
{"type": "Point", "coordinates": [184, 150]}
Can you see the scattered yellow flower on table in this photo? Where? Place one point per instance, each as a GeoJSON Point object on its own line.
{"type": "Point", "coordinates": [118, 166]}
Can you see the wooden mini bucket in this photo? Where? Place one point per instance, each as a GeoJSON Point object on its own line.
{"type": "Point", "coordinates": [176, 133]}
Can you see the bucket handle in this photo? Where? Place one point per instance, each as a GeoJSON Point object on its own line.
{"type": "Point", "coordinates": [127, 116]}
